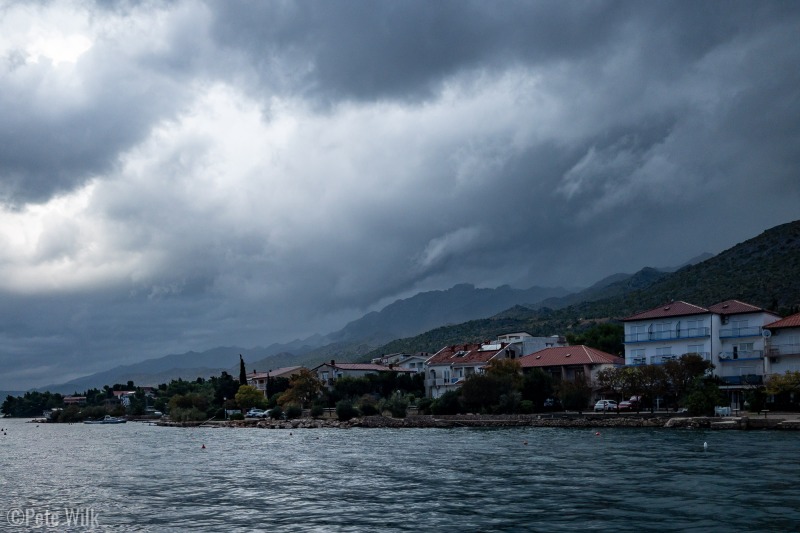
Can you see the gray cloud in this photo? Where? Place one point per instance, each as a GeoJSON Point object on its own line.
{"type": "Point", "coordinates": [213, 173]}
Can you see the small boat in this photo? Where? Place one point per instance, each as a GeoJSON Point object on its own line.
{"type": "Point", "coordinates": [108, 419]}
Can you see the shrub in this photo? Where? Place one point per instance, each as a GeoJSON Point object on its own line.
{"type": "Point", "coordinates": [317, 410]}
{"type": "Point", "coordinates": [447, 404]}
{"type": "Point", "coordinates": [276, 412]}
{"type": "Point", "coordinates": [526, 407]}
{"type": "Point", "coordinates": [367, 406]}
{"type": "Point", "coordinates": [424, 406]}
{"type": "Point", "coordinates": [397, 405]}
{"type": "Point", "coordinates": [345, 410]}
{"type": "Point", "coordinates": [293, 411]}
{"type": "Point", "coordinates": [234, 416]}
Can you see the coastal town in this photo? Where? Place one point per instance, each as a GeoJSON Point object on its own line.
{"type": "Point", "coordinates": [726, 360]}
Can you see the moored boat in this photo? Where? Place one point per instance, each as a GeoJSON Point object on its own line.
{"type": "Point", "coordinates": [108, 419]}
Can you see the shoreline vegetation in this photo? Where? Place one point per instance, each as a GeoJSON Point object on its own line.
{"type": "Point", "coordinates": [559, 420]}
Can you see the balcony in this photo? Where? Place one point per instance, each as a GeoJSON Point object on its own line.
{"type": "Point", "coordinates": [636, 361]}
{"type": "Point", "coordinates": [784, 349]}
{"type": "Point", "coordinates": [749, 379]}
{"type": "Point", "coordinates": [726, 333]}
{"type": "Point", "coordinates": [661, 359]}
{"type": "Point", "coordinates": [687, 333]}
{"type": "Point", "coordinates": [729, 357]}
{"type": "Point", "coordinates": [434, 382]}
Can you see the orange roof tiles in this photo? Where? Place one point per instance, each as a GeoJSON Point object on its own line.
{"type": "Point", "coordinates": [733, 307]}
{"type": "Point", "coordinates": [671, 309]}
{"type": "Point", "coordinates": [569, 355]}
{"type": "Point", "coordinates": [461, 354]}
{"type": "Point", "coordinates": [791, 321]}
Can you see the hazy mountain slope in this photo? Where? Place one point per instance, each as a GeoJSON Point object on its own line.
{"type": "Point", "coordinates": [431, 309]}
{"type": "Point", "coordinates": [762, 271]}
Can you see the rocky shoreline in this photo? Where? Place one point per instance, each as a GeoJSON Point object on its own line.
{"type": "Point", "coordinates": [488, 421]}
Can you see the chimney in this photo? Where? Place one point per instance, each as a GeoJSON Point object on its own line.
{"type": "Point", "coordinates": [333, 362]}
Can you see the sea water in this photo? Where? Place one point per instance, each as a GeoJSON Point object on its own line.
{"type": "Point", "coordinates": [138, 477]}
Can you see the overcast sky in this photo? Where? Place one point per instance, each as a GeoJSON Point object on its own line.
{"type": "Point", "coordinates": [181, 175]}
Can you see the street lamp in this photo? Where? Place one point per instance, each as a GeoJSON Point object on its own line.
{"type": "Point", "coordinates": [225, 406]}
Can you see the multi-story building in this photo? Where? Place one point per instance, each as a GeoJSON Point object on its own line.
{"type": "Point", "coordinates": [528, 344]}
{"type": "Point", "coordinates": [570, 363]}
{"type": "Point", "coordinates": [447, 369]}
{"type": "Point", "coordinates": [261, 380]}
{"type": "Point", "coordinates": [729, 334]}
{"type": "Point", "coordinates": [783, 345]}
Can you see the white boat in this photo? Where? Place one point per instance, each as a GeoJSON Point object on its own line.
{"type": "Point", "coordinates": [108, 419]}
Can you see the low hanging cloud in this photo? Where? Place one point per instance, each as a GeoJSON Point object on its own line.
{"type": "Point", "coordinates": [182, 175]}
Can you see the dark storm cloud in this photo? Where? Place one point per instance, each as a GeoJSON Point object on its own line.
{"type": "Point", "coordinates": [244, 173]}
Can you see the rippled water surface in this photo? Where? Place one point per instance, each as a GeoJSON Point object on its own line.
{"type": "Point", "coordinates": [137, 477]}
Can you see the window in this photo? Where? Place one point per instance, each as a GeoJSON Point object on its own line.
{"type": "Point", "coordinates": [694, 328]}
{"type": "Point", "coordinates": [664, 354]}
{"type": "Point", "coordinates": [663, 330]}
{"type": "Point", "coordinates": [638, 357]}
{"type": "Point", "coordinates": [638, 333]}
{"type": "Point", "coordinates": [738, 326]}
{"type": "Point", "coordinates": [695, 348]}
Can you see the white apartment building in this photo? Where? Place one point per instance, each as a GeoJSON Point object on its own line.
{"type": "Point", "coordinates": [783, 345]}
{"type": "Point", "coordinates": [729, 334]}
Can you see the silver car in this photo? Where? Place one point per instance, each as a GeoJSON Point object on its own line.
{"type": "Point", "coordinates": [605, 405]}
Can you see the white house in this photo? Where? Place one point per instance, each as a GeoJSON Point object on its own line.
{"type": "Point", "coordinates": [529, 344]}
{"type": "Point", "coordinates": [260, 380]}
{"type": "Point", "coordinates": [413, 362]}
{"type": "Point", "coordinates": [783, 345]}
{"type": "Point", "coordinates": [447, 369]}
{"type": "Point", "coordinates": [328, 373]}
{"type": "Point", "coordinates": [570, 363]}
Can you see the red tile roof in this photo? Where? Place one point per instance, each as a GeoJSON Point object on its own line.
{"type": "Point", "coordinates": [461, 354]}
{"type": "Point", "coordinates": [277, 373]}
{"type": "Point", "coordinates": [791, 321]}
{"type": "Point", "coordinates": [671, 309]}
{"type": "Point", "coordinates": [569, 355]}
{"type": "Point", "coordinates": [364, 367]}
{"type": "Point", "coordinates": [733, 307]}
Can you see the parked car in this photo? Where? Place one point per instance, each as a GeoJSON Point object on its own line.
{"type": "Point", "coordinates": [605, 405]}
{"type": "Point", "coordinates": [634, 404]}
{"type": "Point", "coordinates": [255, 413]}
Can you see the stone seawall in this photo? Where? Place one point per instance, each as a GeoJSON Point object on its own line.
{"type": "Point", "coordinates": [487, 421]}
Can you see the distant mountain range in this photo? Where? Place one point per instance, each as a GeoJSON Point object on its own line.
{"type": "Point", "coordinates": [762, 271]}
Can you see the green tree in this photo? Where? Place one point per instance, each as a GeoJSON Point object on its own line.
{"type": "Point", "coordinates": [575, 395]}
{"type": "Point", "coordinates": [606, 337]}
{"type": "Point", "coordinates": [703, 395]}
{"type": "Point", "coordinates": [537, 386]}
{"type": "Point", "coordinates": [248, 397]}
{"type": "Point", "coordinates": [653, 382]}
{"type": "Point", "coordinates": [448, 403]}
{"type": "Point", "coordinates": [397, 405]}
{"type": "Point", "coordinates": [345, 410]}
{"type": "Point", "coordinates": [304, 388]}
{"type": "Point", "coordinates": [786, 383]}
{"type": "Point", "coordinates": [682, 372]}
{"type": "Point", "coordinates": [242, 372]}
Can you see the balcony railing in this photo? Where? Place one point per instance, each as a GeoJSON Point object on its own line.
{"type": "Point", "coordinates": [434, 382]}
{"type": "Point", "coordinates": [784, 349]}
{"type": "Point", "coordinates": [686, 333]}
{"type": "Point", "coordinates": [749, 379]}
{"type": "Point", "coordinates": [727, 357]}
{"type": "Point", "coordinates": [661, 359]}
{"type": "Point", "coordinates": [754, 331]}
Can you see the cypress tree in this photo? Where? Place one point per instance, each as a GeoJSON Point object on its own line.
{"type": "Point", "coordinates": [242, 372]}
